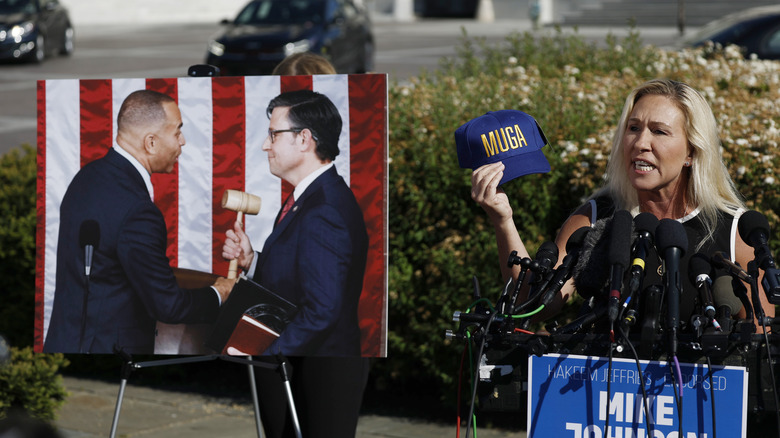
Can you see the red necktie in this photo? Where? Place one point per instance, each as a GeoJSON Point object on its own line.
{"type": "Point", "coordinates": [287, 206]}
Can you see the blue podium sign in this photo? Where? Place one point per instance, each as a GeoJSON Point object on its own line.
{"type": "Point", "coordinates": [568, 398]}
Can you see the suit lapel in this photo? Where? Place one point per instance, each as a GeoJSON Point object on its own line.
{"type": "Point", "coordinates": [300, 204]}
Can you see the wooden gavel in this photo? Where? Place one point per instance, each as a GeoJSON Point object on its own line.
{"type": "Point", "coordinates": [240, 202]}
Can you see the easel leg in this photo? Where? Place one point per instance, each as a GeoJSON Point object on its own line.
{"type": "Point", "coordinates": [118, 407]}
{"type": "Point", "coordinates": [255, 401]}
{"type": "Point", "coordinates": [127, 368]}
{"type": "Point", "coordinates": [290, 401]}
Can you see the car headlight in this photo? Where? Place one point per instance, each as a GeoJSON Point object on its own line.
{"type": "Point", "coordinates": [296, 47]}
{"type": "Point", "coordinates": [18, 31]}
{"type": "Point", "coordinates": [216, 48]}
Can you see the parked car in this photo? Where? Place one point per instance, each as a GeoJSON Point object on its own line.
{"type": "Point", "coordinates": [266, 31]}
{"type": "Point", "coordinates": [756, 30]}
{"type": "Point", "coordinates": [34, 29]}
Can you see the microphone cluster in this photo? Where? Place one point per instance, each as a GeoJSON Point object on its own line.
{"type": "Point", "coordinates": [627, 244]}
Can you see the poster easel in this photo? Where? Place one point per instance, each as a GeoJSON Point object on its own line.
{"type": "Point", "coordinates": [282, 366]}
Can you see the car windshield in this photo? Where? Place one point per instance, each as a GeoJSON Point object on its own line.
{"type": "Point", "coordinates": [281, 12]}
{"type": "Point", "coordinates": [16, 7]}
{"type": "Point", "coordinates": [730, 27]}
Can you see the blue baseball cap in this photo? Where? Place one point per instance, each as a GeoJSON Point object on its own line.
{"type": "Point", "coordinates": [510, 136]}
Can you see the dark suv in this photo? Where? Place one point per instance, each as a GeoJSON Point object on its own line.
{"type": "Point", "coordinates": [266, 31]}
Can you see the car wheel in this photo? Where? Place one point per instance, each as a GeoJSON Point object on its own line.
{"type": "Point", "coordinates": [39, 52]}
{"type": "Point", "coordinates": [67, 41]}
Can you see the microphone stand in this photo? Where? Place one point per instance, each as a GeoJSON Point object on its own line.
{"type": "Point", "coordinates": [762, 319]}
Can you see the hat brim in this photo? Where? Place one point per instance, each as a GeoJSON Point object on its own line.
{"type": "Point", "coordinates": [524, 164]}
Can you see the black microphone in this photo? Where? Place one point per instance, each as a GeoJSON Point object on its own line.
{"type": "Point", "coordinates": [618, 258]}
{"type": "Point", "coordinates": [566, 268]}
{"type": "Point", "coordinates": [754, 230]}
{"type": "Point", "coordinates": [727, 302]}
{"type": "Point", "coordinates": [720, 260]}
{"type": "Point", "coordinates": [89, 237]}
{"type": "Point", "coordinates": [699, 270]}
{"type": "Point", "coordinates": [546, 258]}
{"type": "Point", "coordinates": [672, 241]}
{"type": "Point", "coordinates": [645, 225]}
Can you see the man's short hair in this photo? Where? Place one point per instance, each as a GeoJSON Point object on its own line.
{"type": "Point", "coordinates": [312, 110]}
{"type": "Point", "coordinates": [142, 108]}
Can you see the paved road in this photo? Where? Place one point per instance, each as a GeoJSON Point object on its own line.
{"type": "Point", "coordinates": [154, 413]}
{"type": "Point", "coordinates": [155, 51]}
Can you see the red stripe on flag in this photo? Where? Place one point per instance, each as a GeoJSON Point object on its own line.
{"type": "Point", "coordinates": [367, 122]}
{"type": "Point", "coordinates": [40, 210]}
{"type": "Point", "coordinates": [293, 83]}
{"type": "Point", "coordinates": [229, 131]}
{"type": "Point", "coordinates": [96, 118]}
{"type": "Point", "coordinates": [166, 185]}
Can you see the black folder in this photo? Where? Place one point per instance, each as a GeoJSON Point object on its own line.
{"type": "Point", "coordinates": [250, 301]}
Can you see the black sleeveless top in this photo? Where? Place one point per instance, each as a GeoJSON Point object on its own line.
{"type": "Point", "coordinates": [722, 240]}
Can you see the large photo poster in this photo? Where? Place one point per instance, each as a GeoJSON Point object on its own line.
{"type": "Point", "coordinates": [225, 125]}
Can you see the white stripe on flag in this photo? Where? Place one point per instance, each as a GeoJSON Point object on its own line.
{"type": "Point", "coordinates": [196, 175]}
{"type": "Point", "coordinates": [336, 87]}
{"type": "Point", "coordinates": [259, 90]}
{"type": "Point", "coordinates": [62, 163]}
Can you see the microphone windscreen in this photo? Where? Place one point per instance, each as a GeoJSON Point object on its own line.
{"type": "Point", "coordinates": [671, 234]}
{"type": "Point", "coordinates": [547, 253]}
{"type": "Point", "coordinates": [577, 239]}
{"type": "Point", "coordinates": [590, 272]}
{"type": "Point", "coordinates": [646, 222]}
{"type": "Point", "coordinates": [697, 265]}
{"type": "Point", "coordinates": [723, 294]}
{"type": "Point", "coordinates": [752, 221]}
{"type": "Point", "coordinates": [620, 239]}
{"type": "Point", "coordinates": [89, 233]}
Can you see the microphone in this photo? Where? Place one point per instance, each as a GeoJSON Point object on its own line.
{"type": "Point", "coordinates": [590, 272]}
{"type": "Point", "coordinates": [699, 269]}
{"type": "Point", "coordinates": [672, 241]}
{"type": "Point", "coordinates": [728, 303]}
{"type": "Point", "coordinates": [618, 255]}
{"type": "Point", "coordinates": [721, 261]}
{"type": "Point", "coordinates": [89, 237]}
{"type": "Point", "coordinates": [546, 257]}
{"type": "Point", "coordinates": [645, 225]}
{"type": "Point", "coordinates": [754, 230]}
{"type": "Point", "coordinates": [564, 271]}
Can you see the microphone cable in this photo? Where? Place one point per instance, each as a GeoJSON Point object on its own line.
{"type": "Point", "coordinates": [759, 312]}
{"type": "Point", "coordinates": [475, 378]}
{"type": "Point", "coordinates": [641, 377]}
{"type": "Point", "coordinates": [712, 395]}
{"type": "Point", "coordinates": [609, 377]}
{"type": "Point", "coordinates": [466, 348]}
{"type": "Point", "coordinates": [674, 367]}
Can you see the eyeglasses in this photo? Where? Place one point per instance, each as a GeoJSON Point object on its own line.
{"type": "Point", "coordinates": [272, 132]}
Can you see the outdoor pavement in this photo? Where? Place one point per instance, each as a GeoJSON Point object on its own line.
{"type": "Point", "coordinates": [146, 412]}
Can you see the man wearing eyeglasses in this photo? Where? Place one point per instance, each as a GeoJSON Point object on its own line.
{"type": "Point", "coordinates": [315, 257]}
{"type": "Point", "coordinates": [316, 254]}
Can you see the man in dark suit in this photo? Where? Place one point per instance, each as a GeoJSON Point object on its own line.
{"type": "Point", "coordinates": [316, 258]}
{"type": "Point", "coordinates": [109, 205]}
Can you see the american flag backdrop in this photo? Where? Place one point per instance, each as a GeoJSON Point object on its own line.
{"type": "Point", "coordinates": [224, 127]}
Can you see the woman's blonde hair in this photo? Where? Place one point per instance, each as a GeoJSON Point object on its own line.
{"type": "Point", "coordinates": [304, 63]}
{"type": "Point", "coordinates": [710, 187]}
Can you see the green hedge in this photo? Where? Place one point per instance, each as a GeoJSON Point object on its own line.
{"type": "Point", "coordinates": [17, 245]}
{"type": "Point", "coordinates": [31, 384]}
